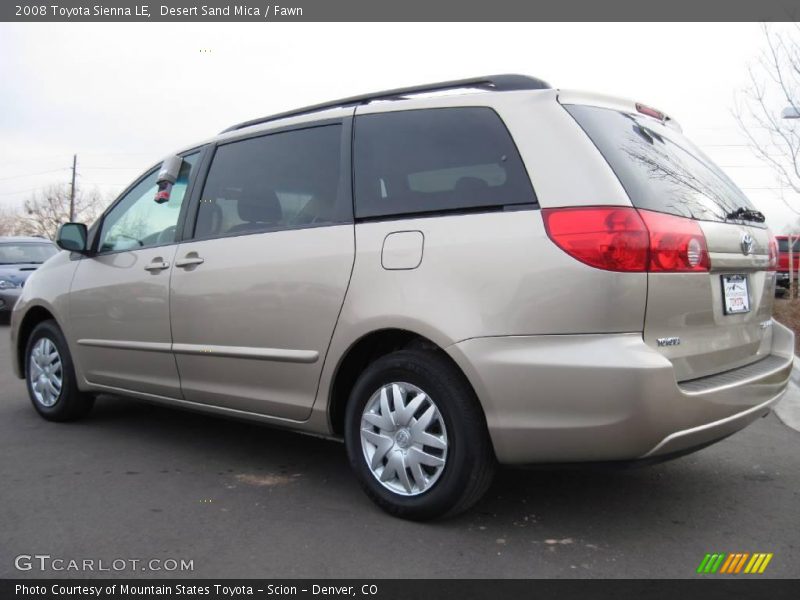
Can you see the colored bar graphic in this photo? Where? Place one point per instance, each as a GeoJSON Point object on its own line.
{"type": "Point", "coordinates": [733, 563]}
{"type": "Point", "coordinates": [710, 563]}
{"type": "Point", "coordinates": [741, 562]}
{"type": "Point", "coordinates": [718, 562]}
{"type": "Point", "coordinates": [752, 562]}
{"type": "Point", "coordinates": [765, 563]}
{"type": "Point", "coordinates": [703, 563]}
{"type": "Point", "coordinates": [727, 564]}
{"type": "Point", "coordinates": [758, 562]}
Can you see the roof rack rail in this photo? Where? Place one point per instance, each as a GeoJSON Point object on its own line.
{"type": "Point", "coordinates": [497, 83]}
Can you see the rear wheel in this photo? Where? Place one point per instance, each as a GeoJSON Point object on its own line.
{"type": "Point", "coordinates": [50, 376]}
{"type": "Point", "coordinates": [416, 437]}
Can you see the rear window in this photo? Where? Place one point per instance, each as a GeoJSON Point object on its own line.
{"type": "Point", "coordinates": [436, 160]}
{"type": "Point", "coordinates": [659, 168]}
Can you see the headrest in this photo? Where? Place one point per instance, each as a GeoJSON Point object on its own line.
{"type": "Point", "coordinates": [471, 184]}
{"type": "Point", "coordinates": [260, 207]}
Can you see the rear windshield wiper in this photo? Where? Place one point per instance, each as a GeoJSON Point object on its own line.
{"type": "Point", "coordinates": [747, 214]}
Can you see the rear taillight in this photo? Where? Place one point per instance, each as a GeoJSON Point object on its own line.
{"type": "Point", "coordinates": [677, 244]}
{"type": "Point", "coordinates": [629, 240]}
{"type": "Point", "coordinates": [772, 265]}
{"type": "Point", "coordinates": [610, 238]}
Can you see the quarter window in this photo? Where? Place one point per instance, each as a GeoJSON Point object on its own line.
{"type": "Point", "coordinates": [436, 160]}
{"type": "Point", "coordinates": [137, 221]}
{"type": "Point", "coordinates": [285, 180]}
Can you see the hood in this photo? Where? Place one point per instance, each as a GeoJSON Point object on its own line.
{"type": "Point", "coordinates": [17, 273]}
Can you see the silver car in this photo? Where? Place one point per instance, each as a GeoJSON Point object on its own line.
{"type": "Point", "coordinates": [445, 277]}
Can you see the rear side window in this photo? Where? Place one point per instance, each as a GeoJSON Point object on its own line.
{"type": "Point", "coordinates": [659, 167]}
{"type": "Point", "coordinates": [435, 160]}
{"type": "Point", "coordinates": [286, 180]}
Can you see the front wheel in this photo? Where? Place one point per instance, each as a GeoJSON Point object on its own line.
{"type": "Point", "coordinates": [416, 436]}
{"type": "Point", "coordinates": [50, 376]}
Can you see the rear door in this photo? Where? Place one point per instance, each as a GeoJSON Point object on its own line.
{"type": "Point", "coordinates": [257, 290]}
{"type": "Point", "coordinates": [704, 322]}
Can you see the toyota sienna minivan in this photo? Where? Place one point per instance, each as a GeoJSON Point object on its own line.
{"type": "Point", "coordinates": [446, 277]}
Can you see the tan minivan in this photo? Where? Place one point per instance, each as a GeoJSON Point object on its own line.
{"type": "Point", "coordinates": [446, 277]}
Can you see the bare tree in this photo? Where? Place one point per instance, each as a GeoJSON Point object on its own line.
{"type": "Point", "coordinates": [774, 85]}
{"type": "Point", "coordinates": [9, 220]}
{"type": "Point", "coordinates": [44, 211]}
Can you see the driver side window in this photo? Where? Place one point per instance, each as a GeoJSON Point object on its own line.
{"type": "Point", "coordinates": [137, 221]}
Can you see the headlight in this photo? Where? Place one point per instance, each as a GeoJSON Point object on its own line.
{"type": "Point", "coordinates": [6, 284]}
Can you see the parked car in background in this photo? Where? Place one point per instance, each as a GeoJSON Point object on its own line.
{"type": "Point", "coordinates": [19, 257]}
{"type": "Point", "coordinates": [503, 272]}
{"type": "Point", "coordinates": [782, 280]}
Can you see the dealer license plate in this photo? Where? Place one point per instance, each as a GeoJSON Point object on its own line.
{"type": "Point", "coordinates": [735, 294]}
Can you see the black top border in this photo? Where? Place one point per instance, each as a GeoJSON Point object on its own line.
{"type": "Point", "coordinates": [407, 11]}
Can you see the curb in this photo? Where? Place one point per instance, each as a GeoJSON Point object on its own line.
{"type": "Point", "coordinates": [788, 407]}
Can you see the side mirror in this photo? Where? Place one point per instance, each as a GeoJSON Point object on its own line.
{"type": "Point", "coordinates": [72, 237]}
{"type": "Point", "coordinates": [167, 176]}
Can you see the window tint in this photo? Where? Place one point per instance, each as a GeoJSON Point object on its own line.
{"type": "Point", "coordinates": [431, 160]}
{"type": "Point", "coordinates": [137, 221]}
{"type": "Point", "coordinates": [659, 168]}
{"type": "Point", "coordinates": [783, 245]}
{"type": "Point", "coordinates": [278, 181]}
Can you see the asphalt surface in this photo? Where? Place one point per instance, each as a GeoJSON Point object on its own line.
{"type": "Point", "coordinates": [134, 481]}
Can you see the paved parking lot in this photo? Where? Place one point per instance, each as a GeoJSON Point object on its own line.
{"type": "Point", "coordinates": [135, 481]}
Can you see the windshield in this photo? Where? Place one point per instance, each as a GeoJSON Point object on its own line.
{"type": "Point", "coordinates": [25, 252]}
{"type": "Point", "coordinates": [659, 168]}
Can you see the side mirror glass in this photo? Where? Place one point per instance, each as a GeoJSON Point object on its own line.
{"type": "Point", "coordinates": [72, 237]}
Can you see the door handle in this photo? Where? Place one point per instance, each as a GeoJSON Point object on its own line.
{"type": "Point", "coordinates": [189, 261]}
{"type": "Point", "coordinates": [157, 266]}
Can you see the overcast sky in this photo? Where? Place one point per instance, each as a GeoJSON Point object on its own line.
{"type": "Point", "coordinates": [122, 96]}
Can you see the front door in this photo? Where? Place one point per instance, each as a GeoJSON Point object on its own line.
{"type": "Point", "coordinates": [119, 302]}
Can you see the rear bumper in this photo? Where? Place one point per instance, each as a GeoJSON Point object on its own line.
{"type": "Point", "coordinates": [576, 398]}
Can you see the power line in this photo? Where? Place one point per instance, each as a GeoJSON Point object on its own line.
{"type": "Point", "coordinates": [40, 159]}
{"type": "Point", "coordinates": [19, 192]}
{"type": "Point", "coordinates": [113, 168]}
{"type": "Point", "coordinates": [32, 174]}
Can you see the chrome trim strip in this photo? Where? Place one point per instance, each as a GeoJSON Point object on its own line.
{"type": "Point", "coordinates": [272, 354]}
{"type": "Point", "coordinates": [126, 345]}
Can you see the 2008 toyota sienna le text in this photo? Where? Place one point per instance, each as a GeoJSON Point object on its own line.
{"type": "Point", "coordinates": [446, 277]}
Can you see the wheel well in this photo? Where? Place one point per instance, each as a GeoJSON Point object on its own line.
{"type": "Point", "coordinates": [32, 318]}
{"type": "Point", "coordinates": [365, 351]}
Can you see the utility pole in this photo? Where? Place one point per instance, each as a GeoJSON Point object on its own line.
{"type": "Point", "coordinates": [791, 266]}
{"type": "Point", "coordinates": [72, 189]}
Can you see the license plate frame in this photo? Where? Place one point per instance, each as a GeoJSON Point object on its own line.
{"type": "Point", "coordinates": [735, 294]}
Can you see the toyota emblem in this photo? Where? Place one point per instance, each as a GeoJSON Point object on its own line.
{"type": "Point", "coordinates": [747, 244]}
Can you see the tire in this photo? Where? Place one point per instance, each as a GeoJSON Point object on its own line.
{"type": "Point", "coordinates": [449, 412]}
{"type": "Point", "coordinates": [54, 403]}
